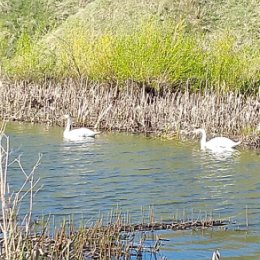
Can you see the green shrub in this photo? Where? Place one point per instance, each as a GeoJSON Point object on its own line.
{"type": "Point", "coordinates": [153, 53]}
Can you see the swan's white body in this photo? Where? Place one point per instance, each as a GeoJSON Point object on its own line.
{"type": "Point", "coordinates": [217, 143]}
{"type": "Point", "coordinates": [76, 134]}
{"type": "Point", "coordinates": [216, 255]}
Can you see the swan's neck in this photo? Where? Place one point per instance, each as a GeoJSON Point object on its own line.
{"type": "Point", "coordinates": [68, 125]}
{"type": "Point", "coordinates": [203, 139]}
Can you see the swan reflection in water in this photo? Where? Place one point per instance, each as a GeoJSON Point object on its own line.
{"type": "Point", "coordinates": [223, 155]}
{"type": "Point", "coordinates": [88, 144]}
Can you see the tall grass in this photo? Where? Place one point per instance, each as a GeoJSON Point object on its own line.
{"type": "Point", "coordinates": [153, 112]}
{"type": "Point", "coordinates": [165, 43]}
{"type": "Point", "coordinates": [154, 53]}
{"type": "Point", "coordinates": [151, 42]}
{"type": "Point", "coordinates": [24, 17]}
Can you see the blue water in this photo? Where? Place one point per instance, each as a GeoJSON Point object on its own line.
{"type": "Point", "coordinates": [134, 173]}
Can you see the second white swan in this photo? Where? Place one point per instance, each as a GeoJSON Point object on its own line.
{"type": "Point", "coordinates": [216, 143]}
{"type": "Point", "coordinates": [75, 134]}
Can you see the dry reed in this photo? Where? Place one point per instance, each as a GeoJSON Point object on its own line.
{"type": "Point", "coordinates": [133, 108]}
{"type": "Point", "coordinates": [99, 241]}
{"type": "Point", "coordinates": [14, 230]}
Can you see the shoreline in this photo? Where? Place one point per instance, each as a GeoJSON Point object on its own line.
{"type": "Point", "coordinates": [136, 109]}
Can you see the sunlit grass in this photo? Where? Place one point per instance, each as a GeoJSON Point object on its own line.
{"type": "Point", "coordinates": [154, 53]}
{"type": "Point", "coordinates": [150, 42]}
{"type": "Point", "coordinates": [229, 65]}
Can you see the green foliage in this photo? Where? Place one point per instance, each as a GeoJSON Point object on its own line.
{"type": "Point", "coordinates": [225, 62]}
{"type": "Point", "coordinates": [109, 41]}
{"type": "Point", "coordinates": [31, 61]}
{"type": "Point", "coordinates": [153, 54]}
{"type": "Point", "coordinates": [156, 53]}
{"type": "Point", "coordinates": [24, 17]}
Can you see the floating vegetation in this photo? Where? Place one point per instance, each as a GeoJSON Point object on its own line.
{"type": "Point", "coordinates": [98, 241]}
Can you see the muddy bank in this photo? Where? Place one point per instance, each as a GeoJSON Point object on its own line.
{"type": "Point", "coordinates": [134, 109]}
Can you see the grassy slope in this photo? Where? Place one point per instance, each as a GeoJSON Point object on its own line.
{"type": "Point", "coordinates": [212, 17]}
{"type": "Point", "coordinates": [82, 41]}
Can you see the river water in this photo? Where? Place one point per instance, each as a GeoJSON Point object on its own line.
{"type": "Point", "coordinates": [134, 173]}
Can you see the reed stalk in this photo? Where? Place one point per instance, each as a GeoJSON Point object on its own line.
{"type": "Point", "coordinates": [13, 229]}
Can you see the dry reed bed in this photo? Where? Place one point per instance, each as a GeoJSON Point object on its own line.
{"type": "Point", "coordinates": [135, 109]}
{"type": "Point", "coordinates": [99, 241]}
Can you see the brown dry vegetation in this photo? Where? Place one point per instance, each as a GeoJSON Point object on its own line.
{"type": "Point", "coordinates": [100, 241]}
{"type": "Point", "coordinates": [134, 109]}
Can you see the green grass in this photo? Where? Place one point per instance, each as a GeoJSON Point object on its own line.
{"type": "Point", "coordinates": [152, 42]}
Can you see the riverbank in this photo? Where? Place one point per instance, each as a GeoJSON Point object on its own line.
{"type": "Point", "coordinates": [133, 108]}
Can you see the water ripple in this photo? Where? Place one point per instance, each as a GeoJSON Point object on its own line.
{"type": "Point", "coordinates": [130, 172]}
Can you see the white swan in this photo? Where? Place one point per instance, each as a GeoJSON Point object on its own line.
{"type": "Point", "coordinates": [76, 134]}
{"type": "Point", "coordinates": [217, 143]}
{"type": "Point", "coordinates": [216, 255]}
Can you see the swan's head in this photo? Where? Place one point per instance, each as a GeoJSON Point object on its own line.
{"type": "Point", "coordinates": [199, 131]}
{"type": "Point", "coordinates": [66, 116]}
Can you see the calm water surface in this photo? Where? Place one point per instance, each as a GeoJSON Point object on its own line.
{"type": "Point", "coordinates": [130, 172]}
